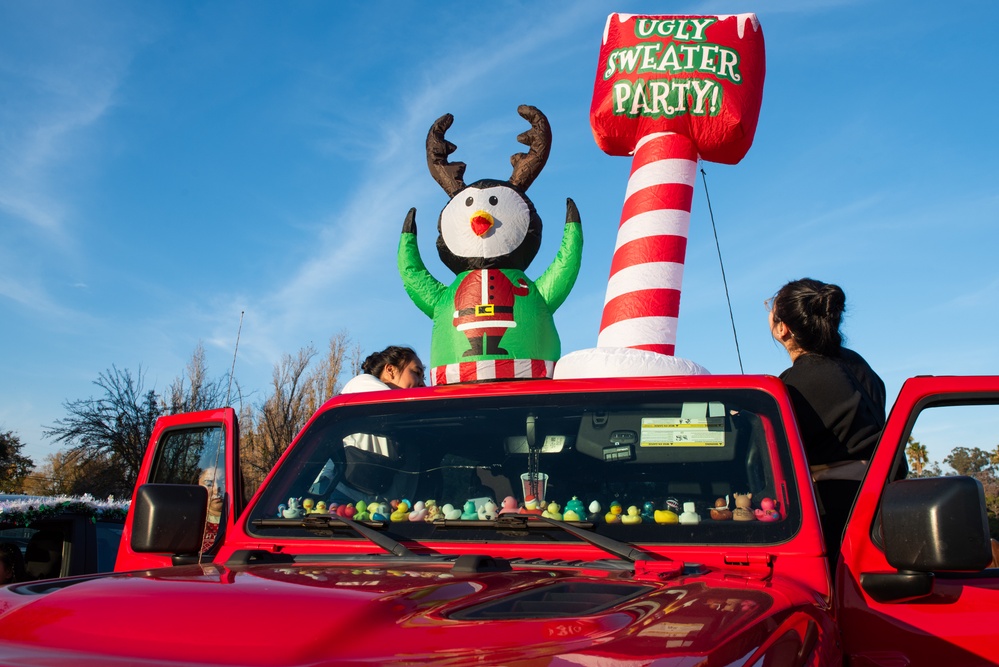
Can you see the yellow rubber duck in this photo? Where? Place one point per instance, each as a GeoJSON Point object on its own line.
{"type": "Point", "coordinates": [634, 515]}
{"type": "Point", "coordinates": [666, 516]}
{"type": "Point", "coordinates": [552, 511]}
{"type": "Point", "coordinates": [401, 512]}
{"type": "Point", "coordinates": [614, 512]}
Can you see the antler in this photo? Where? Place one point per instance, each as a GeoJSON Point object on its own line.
{"type": "Point", "coordinates": [447, 174]}
{"type": "Point", "coordinates": [527, 166]}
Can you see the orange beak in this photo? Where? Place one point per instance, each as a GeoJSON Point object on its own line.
{"type": "Point", "coordinates": [481, 223]}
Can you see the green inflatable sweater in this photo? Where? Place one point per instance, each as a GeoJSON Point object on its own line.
{"type": "Point", "coordinates": [492, 322]}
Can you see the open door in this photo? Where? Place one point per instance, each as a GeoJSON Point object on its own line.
{"type": "Point", "coordinates": [189, 486]}
{"type": "Point", "coordinates": [914, 583]}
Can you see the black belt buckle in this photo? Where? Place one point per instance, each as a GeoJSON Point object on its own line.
{"type": "Point", "coordinates": [485, 309]}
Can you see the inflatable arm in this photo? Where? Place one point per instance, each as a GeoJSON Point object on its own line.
{"type": "Point", "coordinates": [423, 288]}
{"type": "Point", "coordinates": [557, 280]}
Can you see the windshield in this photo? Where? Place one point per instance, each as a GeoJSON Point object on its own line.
{"type": "Point", "coordinates": [707, 466]}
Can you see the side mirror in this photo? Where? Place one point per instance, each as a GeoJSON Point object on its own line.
{"type": "Point", "coordinates": [935, 524]}
{"type": "Point", "coordinates": [169, 518]}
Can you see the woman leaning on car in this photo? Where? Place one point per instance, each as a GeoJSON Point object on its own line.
{"type": "Point", "coordinates": [838, 399]}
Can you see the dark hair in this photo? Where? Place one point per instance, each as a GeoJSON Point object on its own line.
{"type": "Point", "coordinates": [12, 559]}
{"type": "Point", "coordinates": [812, 310]}
{"type": "Point", "coordinates": [393, 355]}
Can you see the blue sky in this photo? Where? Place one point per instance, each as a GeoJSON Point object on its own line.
{"type": "Point", "coordinates": [167, 165]}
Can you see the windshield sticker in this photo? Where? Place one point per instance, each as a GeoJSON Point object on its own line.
{"type": "Point", "coordinates": [682, 432]}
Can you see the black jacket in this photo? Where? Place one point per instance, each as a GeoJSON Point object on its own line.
{"type": "Point", "coordinates": [839, 403]}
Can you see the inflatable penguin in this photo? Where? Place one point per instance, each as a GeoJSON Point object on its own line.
{"type": "Point", "coordinates": [492, 322]}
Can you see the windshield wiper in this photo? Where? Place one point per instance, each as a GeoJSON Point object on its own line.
{"type": "Point", "coordinates": [622, 550]}
{"type": "Point", "coordinates": [329, 521]}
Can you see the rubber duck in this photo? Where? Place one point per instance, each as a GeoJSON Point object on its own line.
{"type": "Point", "coordinates": [743, 507]}
{"type": "Point", "coordinates": [552, 511]}
{"type": "Point", "coordinates": [433, 511]}
{"type": "Point", "coordinates": [614, 512]}
{"type": "Point", "coordinates": [574, 510]}
{"type": "Point", "coordinates": [308, 505]}
{"type": "Point", "coordinates": [294, 510]}
{"type": "Point", "coordinates": [401, 512]}
{"type": "Point", "coordinates": [595, 512]}
{"type": "Point", "coordinates": [347, 511]}
{"type": "Point", "coordinates": [419, 512]}
{"type": "Point", "coordinates": [509, 506]}
{"type": "Point", "coordinates": [362, 511]}
{"type": "Point", "coordinates": [469, 512]}
{"type": "Point", "coordinates": [673, 505]}
{"type": "Point", "coordinates": [689, 515]}
{"type": "Point", "coordinates": [649, 512]}
{"type": "Point", "coordinates": [721, 511]}
{"type": "Point", "coordinates": [489, 511]}
{"type": "Point", "coordinates": [450, 512]}
{"type": "Point", "coordinates": [768, 510]}
{"type": "Point", "coordinates": [531, 506]}
{"type": "Point", "coordinates": [320, 507]}
{"type": "Point", "coordinates": [666, 516]}
{"type": "Point", "coordinates": [633, 516]}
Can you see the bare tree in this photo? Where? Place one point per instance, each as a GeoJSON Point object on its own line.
{"type": "Point", "coordinates": [195, 390]}
{"type": "Point", "coordinates": [251, 451]}
{"type": "Point", "coordinates": [282, 414]}
{"type": "Point", "coordinates": [113, 429]}
{"type": "Point", "coordinates": [298, 393]}
{"type": "Point", "coordinates": [70, 473]}
{"type": "Point", "coordinates": [356, 360]}
{"type": "Point", "coordinates": [326, 380]}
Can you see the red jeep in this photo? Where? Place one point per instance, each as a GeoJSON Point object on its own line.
{"type": "Point", "coordinates": [586, 522]}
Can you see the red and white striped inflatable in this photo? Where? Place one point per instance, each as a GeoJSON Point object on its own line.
{"type": "Point", "coordinates": [643, 292]}
{"type": "Point", "coordinates": [669, 90]}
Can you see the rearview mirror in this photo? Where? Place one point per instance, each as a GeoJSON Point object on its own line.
{"type": "Point", "coordinates": [517, 444]}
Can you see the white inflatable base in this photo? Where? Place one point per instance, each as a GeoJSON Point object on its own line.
{"type": "Point", "coordinates": [606, 362]}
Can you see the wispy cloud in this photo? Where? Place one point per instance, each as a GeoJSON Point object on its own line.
{"type": "Point", "coordinates": [394, 179]}
{"type": "Point", "coordinates": [59, 76]}
{"type": "Point", "coordinates": [57, 101]}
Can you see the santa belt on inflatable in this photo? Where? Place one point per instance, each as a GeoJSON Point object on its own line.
{"type": "Point", "coordinates": [483, 310]}
{"type": "Point", "coordinates": [492, 369]}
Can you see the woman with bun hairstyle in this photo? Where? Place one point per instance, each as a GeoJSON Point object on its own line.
{"type": "Point", "coordinates": [395, 367]}
{"type": "Point", "coordinates": [838, 399]}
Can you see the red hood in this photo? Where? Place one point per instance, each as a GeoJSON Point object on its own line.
{"type": "Point", "coordinates": [378, 614]}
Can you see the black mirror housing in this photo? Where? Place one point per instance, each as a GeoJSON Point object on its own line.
{"type": "Point", "coordinates": [936, 524]}
{"type": "Point", "coordinates": [169, 518]}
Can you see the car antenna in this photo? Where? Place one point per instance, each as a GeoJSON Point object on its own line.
{"type": "Point", "coordinates": [704, 179]}
{"type": "Point", "coordinates": [228, 394]}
